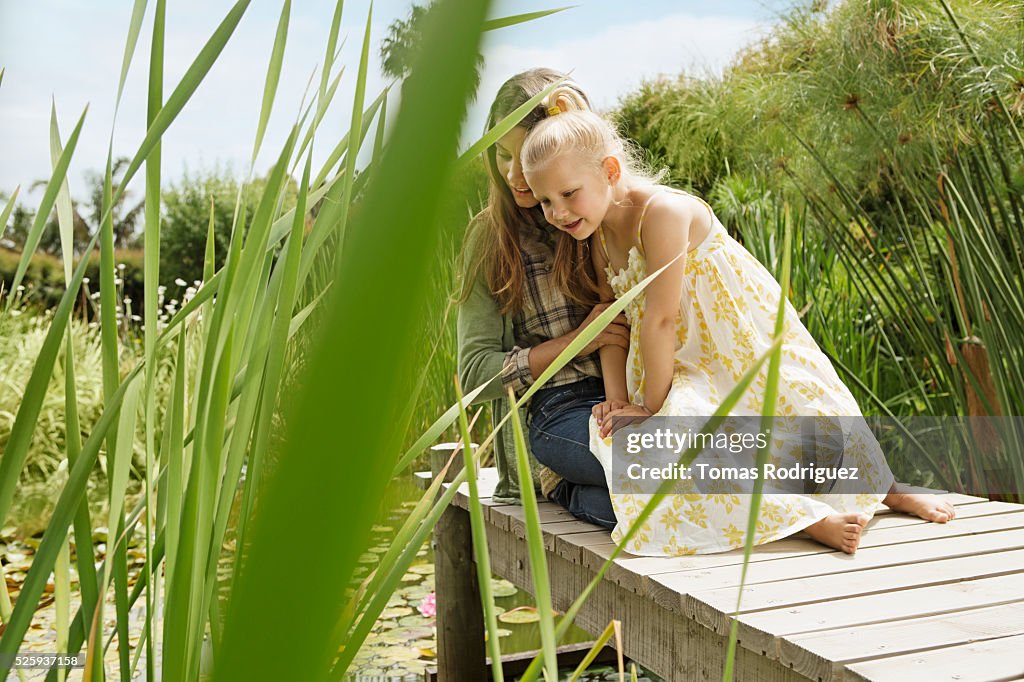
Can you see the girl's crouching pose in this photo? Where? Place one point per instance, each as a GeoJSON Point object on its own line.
{"type": "Point", "coordinates": [694, 332]}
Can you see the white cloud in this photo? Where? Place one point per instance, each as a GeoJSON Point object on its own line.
{"type": "Point", "coordinates": [614, 62]}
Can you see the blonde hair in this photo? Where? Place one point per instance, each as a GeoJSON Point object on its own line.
{"type": "Point", "coordinates": [492, 249]}
{"type": "Point", "coordinates": [579, 130]}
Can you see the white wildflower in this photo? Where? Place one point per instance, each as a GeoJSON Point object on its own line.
{"type": "Point", "coordinates": [180, 282]}
{"type": "Point", "coordinates": [120, 266]}
{"type": "Point", "coordinates": [118, 281]}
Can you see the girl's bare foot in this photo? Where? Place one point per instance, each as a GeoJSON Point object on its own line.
{"type": "Point", "coordinates": [839, 531]}
{"type": "Point", "coordinates": [928, 507]}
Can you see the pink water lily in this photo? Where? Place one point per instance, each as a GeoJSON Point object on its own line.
{"type": "Point", "coordinates": [428, 607]}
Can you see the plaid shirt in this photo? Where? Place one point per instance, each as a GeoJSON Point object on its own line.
{"type": "Point", "coordinates": [546, 314]}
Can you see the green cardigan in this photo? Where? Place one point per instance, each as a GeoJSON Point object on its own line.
{"type": "Point", "coordinates": [484, 339]}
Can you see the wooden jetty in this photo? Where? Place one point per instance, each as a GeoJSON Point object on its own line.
{"type": "Point", "coordinates": [918, 601]}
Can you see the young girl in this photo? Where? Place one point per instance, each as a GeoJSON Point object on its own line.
{"type": "Point", "coordinates": [695, 331]}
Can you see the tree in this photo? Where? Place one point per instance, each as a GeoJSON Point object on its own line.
{"type": "Point", "coordinates": [86, 217]}
{"type": "Point", "coordinates": [186, 219]}
{"type": "Point", "coordinates": [401, 46]}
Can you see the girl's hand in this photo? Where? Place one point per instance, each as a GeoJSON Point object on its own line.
{"type": "Point", "coordinates": [623, 416]}
{"type": "Point", "coordinates": [601, 410]}
{"type": "Point", "coordinates": [615, 334]}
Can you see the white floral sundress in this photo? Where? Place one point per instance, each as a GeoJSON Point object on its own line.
{"type": "Point", "coordinates": [727, 321]}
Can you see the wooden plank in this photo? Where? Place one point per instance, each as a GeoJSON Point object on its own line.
{"type": "Point", "coordinates": [715, 607]}
{"type": "Point", "coordinates": [700, 655]}
{"type": "Point", "coordinates": [687, 582]}
{"type": "Point", "coordinates": [762, 631]}
{"type": "Point", "coordinates": [631, 572]}
{"type": "Point", "coordinates": [824, 655]}
{"type": "Point", "coordinates": [570, 546]}
{"type": "Point", "coordinates": [988, 661]}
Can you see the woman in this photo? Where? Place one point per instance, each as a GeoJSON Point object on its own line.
{"type": "Point", "coordinates": [515, 319]}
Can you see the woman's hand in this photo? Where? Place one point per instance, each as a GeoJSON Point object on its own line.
{"type": "Point", "coordinates": [623, 416]}
{"type": "Point", "coordinates": [601, 410]}
{"type": "Point", "coordinates": [615, 334]}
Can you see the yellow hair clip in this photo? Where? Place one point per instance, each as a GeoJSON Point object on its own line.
{"type": "Point", "coordinates": [553, 110]}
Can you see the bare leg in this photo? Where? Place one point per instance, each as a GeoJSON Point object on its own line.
{"type": "Point", "coordinates": [928, 507]}
{"type": "Point", "coordinates": [839, 531]}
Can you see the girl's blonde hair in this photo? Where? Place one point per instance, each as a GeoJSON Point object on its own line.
{"type": "Point", "coordinates": [571, 128]}
{"type": "Point", "coordinates": [492, 241]}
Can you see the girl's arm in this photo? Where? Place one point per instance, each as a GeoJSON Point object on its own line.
{"type": "Point", "coordinates": [665, 235]}
{"type": "Point", "coordinates": [613, 357]}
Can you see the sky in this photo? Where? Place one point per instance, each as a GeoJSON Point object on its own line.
{"type": "Point", "coordinates": [69, 53]}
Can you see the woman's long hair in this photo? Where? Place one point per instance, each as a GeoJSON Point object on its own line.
{"type": "Point", "coordinates": [492, 241]}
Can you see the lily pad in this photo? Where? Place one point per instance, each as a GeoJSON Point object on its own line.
{"type": "Point", "coordinates": [414, 633]}
{"type": "Point", "coordinates": [396, 612]}
{"type": "Point", "coordinates": [422, 569]}
{"type": "Point", "coordinates": [520, 615]}
{"type": "Point", "coordinates": [502, 632]}
{"type": "Point", "coordinates": [502, 588]}
{"type": "Point", "coordinates": [414, 621]}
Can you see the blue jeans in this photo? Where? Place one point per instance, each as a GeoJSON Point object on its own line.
{"type": "Point", "coordinates": [560, 440]}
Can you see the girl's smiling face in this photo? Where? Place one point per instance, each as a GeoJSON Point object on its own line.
{"type": "Point", "coordinates": [506, 157]}
{"type": "Point", "coordinates": [574, 194]}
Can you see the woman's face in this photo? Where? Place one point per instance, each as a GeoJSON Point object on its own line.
{"type": "Point", "coordinates": [507, 158]}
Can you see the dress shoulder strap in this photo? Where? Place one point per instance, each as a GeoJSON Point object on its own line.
{"type": "Point", "coordinates": [643, 214]}
{"type": "Point", "coordinates": [604, 244]}
{"type": "Point", "coordinates": [657, 192]}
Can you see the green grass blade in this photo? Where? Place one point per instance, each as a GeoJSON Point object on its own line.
{"type": "Point", "coordinates": [329, 53]}
{"type": "Point", "coordinates": [483, 559]}
{"type": "Point", "coordinates": [378, 141]}
{"type": "Point", "coordinates": [134, 28]}
{"type": "Point", "coordinates": [599, 644]}
{"type": "Point", "coordinates": [339, 149]}
{"type": "Point", "coordinates": [6, 213]}
{"type": "Point", "coordinates": [173, 458]}
{"type": "Point", "coordinates": [118, 468]}
{"type": "Point", "coordinates": [436, 429]}
{"type": "Point", "coordinates": [771, 392]}
{"type": "Point", "coordinates": [535, 543]}
{"type": "Point", "coordinates": [506, 124]}
{"type": "Point", "coordinates": [64, 211]}
{"type": "Point", "coordinates": [151, 277]}
{"type": "Point", "coordinates": [60, 172]}
{"type": "Point", "coordinates": [183, 92]}
{"type": "Point", "coordinates": [276, 356]}
{"type": "Point", "coordinates": [354, 143]}
{"type": "Point", "coordinates": [62, 596]}
{"type": "Point", "coordinates": [504, 22]}
{"type": "Point", "coordinates": [273, 76]}
{"type": "Point", "coordinates": [345, 486]}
